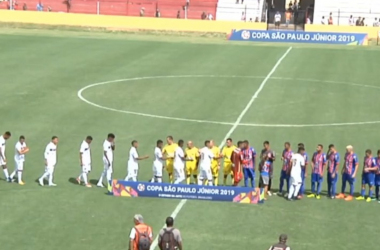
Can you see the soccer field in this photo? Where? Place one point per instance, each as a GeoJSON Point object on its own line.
{"type": "Point", "coordinates": [73, 85]}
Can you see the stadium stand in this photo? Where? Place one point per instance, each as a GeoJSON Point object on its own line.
{"type": "Point", "coordinates": [342, 10]}
{"type": "Point", "coordinates": [167, 8]}
{"type": "Point", "coordinates": [229, 10]}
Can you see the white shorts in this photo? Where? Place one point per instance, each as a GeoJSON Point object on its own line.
{"type": "Point", "coordinates": [132, 170]}
{"type": "Point", "coordinates": [19, 165]}
{"type": "Point", "coordinates": [205, 174]}
{"type": "Point", "coordinates": [179, 173]}
{"type": "Point", "coordinates": [107, 167]}
{"type": "Point", "coordinates": [295, 180]}
{"type": "Point", "coordinates": [49, 169]}
{"type": "Point", "coordinates": [86, 168]}
{"type": "Point", "coordinates": [157, 170]}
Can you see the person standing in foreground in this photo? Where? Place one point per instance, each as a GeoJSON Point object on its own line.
{"type": "Point", "coordinates": [270, 155]}
{"type": "Point", "coordinates": [368, 175]}
{"type": "Point", "coordinates": [108, 148]}
{"type": "Point", "coordinates": [169, 238]}
{"type": "Point", "coordinates": [141, 235]}
{"type": "Point", "coordinates": [295, 170]}
{"type": "Point", "coordinates": [333, 160]}
{"type": "Point", "coordinates": [281, 245]}
{"type": "Point", "coordinates": [20, 150]}
{"type": "Point", "coordinates": [286, 163]}
{"type": "Point", "coordinates": [249, 160]}
{"type": "Point", "coordinates": [351, 164]}
{"type": "Point", "coordinates": [206, 157]}
{"type": "Point", "coordinates": [85, 161]}
{"type": "Point", "coordinates": [158, 164]}
{"type": "Point", "coordinates": [3, 159]}
{"type": "Point", "coordinates": [191, 152]}
{"type": "Point", "coordinates": [133, 164]}
{"type": "Point", "coordinates": [301, 193]}
{"type": "Point", "coordinates": [168, 151]}
{"type": "Point", "coordinates": [50, 156]}
{"type": "Point", "coordinates": [318, 165]}
{"type": "Point", "coordinates": [227, 165]}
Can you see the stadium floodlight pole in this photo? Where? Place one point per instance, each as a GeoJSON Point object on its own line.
{"type": "Point", "coordinates": [97, 7]}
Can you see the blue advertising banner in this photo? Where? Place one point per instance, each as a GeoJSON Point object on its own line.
{"type": "Point", "coordinates": [298, 37]}
{"type": "Point", "coordinates": [178, 191]}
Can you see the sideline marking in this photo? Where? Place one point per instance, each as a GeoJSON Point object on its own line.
{"type": "Point", "coordinates": [235, 125]}
{"type": "Point", "coordinates": [80, 96]}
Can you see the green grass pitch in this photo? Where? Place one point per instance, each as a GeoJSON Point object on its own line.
{"type": "Point", "coordinates": [41, 74]}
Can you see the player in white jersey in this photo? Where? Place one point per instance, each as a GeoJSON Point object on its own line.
{"type": "Point", "coordinates": [158, 163]}
{"type": "Point", "coordinates": [297, 161]}
{"type": "Point", "coordinates": [3, 159]}
{"type": "Point", "coordinates": [50, 156]}
{"type": "Point", "coordinates": [179, 163]}
{"type": "Point", "coordinates": [20, 150]}
{"type": "Point", "coordinates": [206, 157]}
{"type": "Point", "coordinates": [133, 165]}
{"type": "Point", "coordinates": [85, 161]}
{"type": "Point", "coordinates": [108, 148]}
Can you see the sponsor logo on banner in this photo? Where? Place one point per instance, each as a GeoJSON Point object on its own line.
{"type": "Point", "coordinates": [245, 34]}
{"type": "Point", "coordinates": [165, 190]}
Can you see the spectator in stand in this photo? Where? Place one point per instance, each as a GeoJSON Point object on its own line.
{"type": "Point", "coordinates": [323, 21]}
{"type": "Point", "coordinates": [256, 20]}
{"type": "Point", "coordinates": [308, 21]}
{"type": "Point", "coordinates": [376, 23]}
{"type": "Point", "coordinates": [49, 9]}
{"type": "Point", "coordinates": [351, 21]}
{"type": "Point", "coordinates": [357, 23]}
{"type": "Point", "coordinates": [277, 20]}
{"type": "Point", "coordinates": [142, 11]}
{"type": "Point", "coordinates": [210, 17]}
{"type": "Point", "coordinates": [288, 16]}
{"type": "Point", "coordinates": [362, 23]}
{"type": "Point", "coordinates": [290, 5]}
{"type": "Point", "coordinates": [179, 14]}
{"type": "Point", "coordinates": [187, 4]}
{"type": "Point", "coordinates": [203, 16]}
{"type": "Point", "coordinates": [40, 6]}
{"type": "Point", "coordinates": [243, 16]}
{"type": "Point", "coordinates": [330, 21]}
{"type": "Point", "coordinates": [158, 13]}
{"type": "Point", "coordinates": [24, 7]}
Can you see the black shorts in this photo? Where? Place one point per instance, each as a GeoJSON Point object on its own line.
{"type": "Point", "coordinates": [277, 24]}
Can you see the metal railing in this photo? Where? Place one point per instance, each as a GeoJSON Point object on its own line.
{"type": "Point", "coordinates": [340, 17]}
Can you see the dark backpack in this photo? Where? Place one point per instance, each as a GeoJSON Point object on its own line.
{"type": "Point", "coordinates": [168, 241]}
{"type": "Point", "coordinates": [144, 240]}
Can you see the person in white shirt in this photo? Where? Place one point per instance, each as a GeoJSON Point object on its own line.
{"type": "Point", "coordinates": [375, 23]}
{"type": "Point", "coordinates": [158, 163]}
{"type": "Point", "coordinates": [210, 17]}
{"type": "Point", "coordinates": [20, 150]}
{"type": "Point", "coordinates": [133, 165]}
{"type": "Point", "coordinates": [297, 162]}
{"type": "Point", "coordinates": [85, 161]}
{"type": "Point", "coordinates": [179, 163]}
{"type": "Point", "coordinates": [108, 148]}
{"type": "Point", "coordinates": [323, 21]}
{"type": "Point", "coordinates": [206, 157]}
{"type": "Point", "coordinates": [50, 156]}
{"type": "Point", "coordinates": [277, 20]}
{"type": "Point", "coordinates": [3, 159]}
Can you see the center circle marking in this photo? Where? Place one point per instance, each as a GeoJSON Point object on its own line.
{"type": "Point", "coordinates": [80, 96]}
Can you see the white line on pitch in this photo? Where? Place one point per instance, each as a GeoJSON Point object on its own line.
{"type": "Point", "coordinates": [229, 133]}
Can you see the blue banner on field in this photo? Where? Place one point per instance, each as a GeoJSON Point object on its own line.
{"type": "Point", "coordinates": [179, 191]}
{"type": "Point", "coordinates": [298, 37]}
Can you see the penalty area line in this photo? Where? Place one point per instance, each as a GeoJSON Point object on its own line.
{"type": "Point", "coordinates": [229, 133]}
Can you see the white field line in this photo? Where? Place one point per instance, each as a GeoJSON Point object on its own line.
{"type": "Point", "coordinates": [229, 133]}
